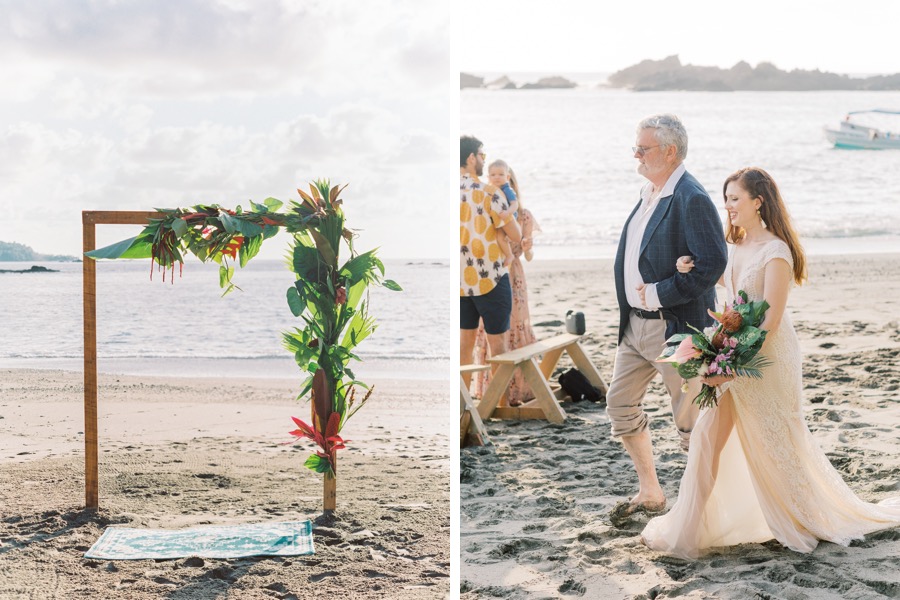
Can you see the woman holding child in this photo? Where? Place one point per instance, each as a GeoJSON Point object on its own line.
{"type": "Point", "coordinates": [520, 332]}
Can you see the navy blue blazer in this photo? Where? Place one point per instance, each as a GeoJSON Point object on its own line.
{"type": "Point", "coordinates": [683, 224]}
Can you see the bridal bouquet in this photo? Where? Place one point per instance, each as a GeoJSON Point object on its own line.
{"type": "Point", "coordinates": [729, 347]}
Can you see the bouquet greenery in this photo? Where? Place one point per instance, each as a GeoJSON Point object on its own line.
{"type": "Point", "coordinates": [729, 347]}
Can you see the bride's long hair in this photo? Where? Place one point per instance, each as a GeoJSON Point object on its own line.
{"type": "Point", "coordinates": [773, 212]}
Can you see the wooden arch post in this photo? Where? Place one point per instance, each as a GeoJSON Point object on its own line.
{"type": "Point", "coordinates": [90, 218]}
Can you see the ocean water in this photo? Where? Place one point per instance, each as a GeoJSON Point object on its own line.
{"type": "Point", "coordinates": [571, 150]}
{"type": "Point", "coordinates": [187, 328]}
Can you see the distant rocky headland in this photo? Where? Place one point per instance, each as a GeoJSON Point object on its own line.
{"type": "Point", "coordinates": [505, 83]}
{"type": "Point", "coordinates": [13, 252]}
{"type": "Point", "coordinates": [669, 74]}
{"type": "Point", "coordinates": [33, 269]}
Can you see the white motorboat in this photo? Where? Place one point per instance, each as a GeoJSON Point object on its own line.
{"type": "Point", "coordinates": [854, 133]}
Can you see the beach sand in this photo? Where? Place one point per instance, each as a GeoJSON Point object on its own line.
{"type": "Point", "coordinates": [185, 452]}
{"type": "Point", "coordinates": [535, 505]}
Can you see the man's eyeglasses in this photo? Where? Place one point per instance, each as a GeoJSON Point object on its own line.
{"type": "Point", "coordinates": [482, 155]}
{"type": "Point", "coordinates": [641, 150]}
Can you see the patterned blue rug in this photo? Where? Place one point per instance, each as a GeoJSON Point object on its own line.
{"type": "Point", "coordinates": [211, 541]}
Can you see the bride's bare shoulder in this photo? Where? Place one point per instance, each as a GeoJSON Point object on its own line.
{"type": "Point", "coordinates": [777, 248]}
{"type": "Point", "coordinates": [776, 242]}
{"type": "Point", "coordinates": [770, 242]}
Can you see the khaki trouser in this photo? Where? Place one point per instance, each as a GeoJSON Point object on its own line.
{"type": "Point", "coordinates": [635, 368]}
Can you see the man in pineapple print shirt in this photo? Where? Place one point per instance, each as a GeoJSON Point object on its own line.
{"type": "Point", "coordinates": [484, 290]}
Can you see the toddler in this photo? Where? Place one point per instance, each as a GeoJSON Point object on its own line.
{"type": "Point", "coordinates": [498, 175]}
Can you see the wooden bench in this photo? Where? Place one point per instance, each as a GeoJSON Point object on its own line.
{"type": "Point", "coordinates": [546, 402]}
{"type": "Point", "coordinates": [471, 428]}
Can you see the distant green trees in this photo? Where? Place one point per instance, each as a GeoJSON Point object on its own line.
{"type": "Point", "coordinates": [13, 252]}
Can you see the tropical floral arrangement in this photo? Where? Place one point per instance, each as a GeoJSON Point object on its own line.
{"type": "Point", "coordinates": [328, 296]}
{"type": "Point", "coordinates": [729, 347]}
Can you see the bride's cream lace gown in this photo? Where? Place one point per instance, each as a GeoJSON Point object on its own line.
{"type": "Point", "coordinates": [771, 479]}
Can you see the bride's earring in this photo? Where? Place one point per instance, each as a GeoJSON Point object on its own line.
{"type": "Point", "coordinates": [761, 222]}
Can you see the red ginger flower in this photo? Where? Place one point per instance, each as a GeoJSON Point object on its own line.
{"type": "Point", "coordinates": [329, 443]}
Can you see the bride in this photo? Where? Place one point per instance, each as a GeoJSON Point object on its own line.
{"type": "Point", "coordinates": [754, 472]}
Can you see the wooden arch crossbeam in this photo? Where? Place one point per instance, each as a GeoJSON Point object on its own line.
{"type": "Point", "coordinates": [89, 220]}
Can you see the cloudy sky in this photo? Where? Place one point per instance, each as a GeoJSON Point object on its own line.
{"type": "Point", "coordinates": [573, 35]}
{"type": "Point", "coordinates": [137, 104]}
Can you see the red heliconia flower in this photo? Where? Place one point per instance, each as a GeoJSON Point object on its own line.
{"type": "Point", "coordinates": [340, 295]}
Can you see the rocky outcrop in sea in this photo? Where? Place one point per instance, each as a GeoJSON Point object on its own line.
{"type": "Point", "coordinates": [670, 74]}
{"type": "Point", "coordinates": [505, 83]}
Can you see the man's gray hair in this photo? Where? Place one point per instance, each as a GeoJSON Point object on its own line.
{"type": "Point", "coordinates": [669, 132]}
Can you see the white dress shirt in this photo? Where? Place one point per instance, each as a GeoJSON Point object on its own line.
{"type": "Point", "coordinates": [633, 237]}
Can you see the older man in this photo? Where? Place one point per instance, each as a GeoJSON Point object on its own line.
{"type": "Point", "coordinates": [484, 288]}
{"type": "Point", "coordinates": [674, 217]}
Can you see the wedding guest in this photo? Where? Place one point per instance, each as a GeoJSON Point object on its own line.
{"type": "Point", "coordinates": [673, 217]}
{"type": "Point", "coordinates": [484, 287]}
{"type": "Point", "coordinates": [520, 332]}
{"type": "Point", "coordinates": [754, 471]}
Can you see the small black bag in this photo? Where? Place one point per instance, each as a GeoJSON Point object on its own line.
{"type": "Point", "coordinates": [575, 322]}
{"type": "Point", "coordinates": [575, 384]}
